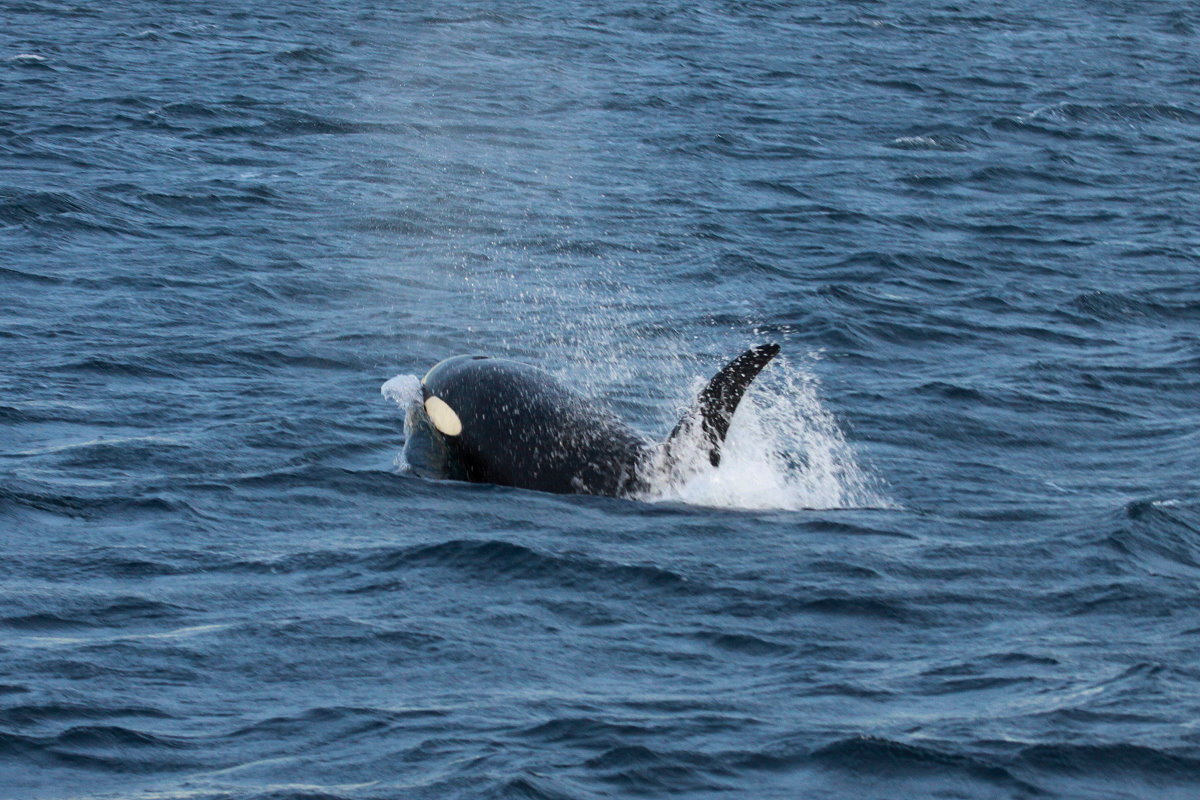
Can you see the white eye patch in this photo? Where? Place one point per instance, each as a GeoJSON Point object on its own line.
{"type": "Point", "coordinates": [442, 416]}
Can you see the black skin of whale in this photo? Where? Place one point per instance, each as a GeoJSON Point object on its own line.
{"type": "Point", "coordinates": [521, 427]}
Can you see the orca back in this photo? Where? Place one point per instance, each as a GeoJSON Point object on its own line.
{"type": "Point", "coordinates": [521, 427]}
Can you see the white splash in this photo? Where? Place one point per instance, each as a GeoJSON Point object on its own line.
{"type": "Point", "coordinates": [784, 450]}
{"type": "Point", "coordinates": [405, 392]}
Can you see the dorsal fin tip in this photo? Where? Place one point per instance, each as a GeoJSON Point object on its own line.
{"type": "Point", "coordinates": [720, 398]}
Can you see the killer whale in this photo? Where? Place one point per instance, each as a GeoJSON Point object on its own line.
{"type": "Point", "coordinates": [492, 420]}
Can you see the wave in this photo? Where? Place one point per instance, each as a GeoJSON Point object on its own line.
{"type": "Point", "coordinates": [97, 613]}
{"type": "Point", "coordinates": [29, 715]}
{"type": "Point", "coordinates": [19, 207]}
{"type": "Point", "coordinates": [8, 274]}
{"type": "Point", "coordinates": [1111, 760]}
{"type": "Point", "coordinates": [895, 759]}
{"type": "Point", "coordinates": [1121, 113]}
{"type": "Point", "coordinates": [331, 723]}
{"type": "Point", "coordinates": [110, 748]}
{"type": "Point", "coordinates": [1159, 537]}
{"type": "Point", "coordinates": [505, 561]}
{"type": "Point", "coordinates": [75, 505]}
{"type": "Point", "coordinates": [1101, 306]}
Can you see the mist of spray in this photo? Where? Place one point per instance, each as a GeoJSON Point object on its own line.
{"type": "Point", "coordinates": [784, 450]}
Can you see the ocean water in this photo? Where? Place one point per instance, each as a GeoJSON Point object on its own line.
{"type": "Point", "coordinates": [953, 552]}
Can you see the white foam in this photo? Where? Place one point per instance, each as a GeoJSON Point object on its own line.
{"type": "Point", "coordinates": [916, 141]}
{"type": "Point", "coordinates": [403, 390]}
{"type": "Point", "coordinates": [784, 450]}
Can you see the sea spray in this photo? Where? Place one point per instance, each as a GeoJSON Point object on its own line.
{"type": "Point", "coordinates": [405, 392]}
{"type": "Point", "coordinates": [784, 450]}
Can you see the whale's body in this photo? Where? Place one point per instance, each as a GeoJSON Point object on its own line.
{"type": "Point", "coordinates": [492, 420]}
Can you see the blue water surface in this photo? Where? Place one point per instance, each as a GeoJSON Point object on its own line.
{"type": "Point", "coordinates": [958, 556]}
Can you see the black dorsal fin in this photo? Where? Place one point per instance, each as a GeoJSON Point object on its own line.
{"type": "Point", "coordinates": [715, 406]}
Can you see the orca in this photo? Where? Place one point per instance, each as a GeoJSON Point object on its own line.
{"type": "Point", "coordinates": [492, 420]}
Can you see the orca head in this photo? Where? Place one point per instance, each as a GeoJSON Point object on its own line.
{"type": "Point", "coordinates": [513, 424]}
{"type": "Point", "coordinates": [433, 427]}
{"type": "Point", "coordinates": [448, 391]}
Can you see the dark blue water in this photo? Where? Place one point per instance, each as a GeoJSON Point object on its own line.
{"type": "Point", "coordinates": [955, 552]}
